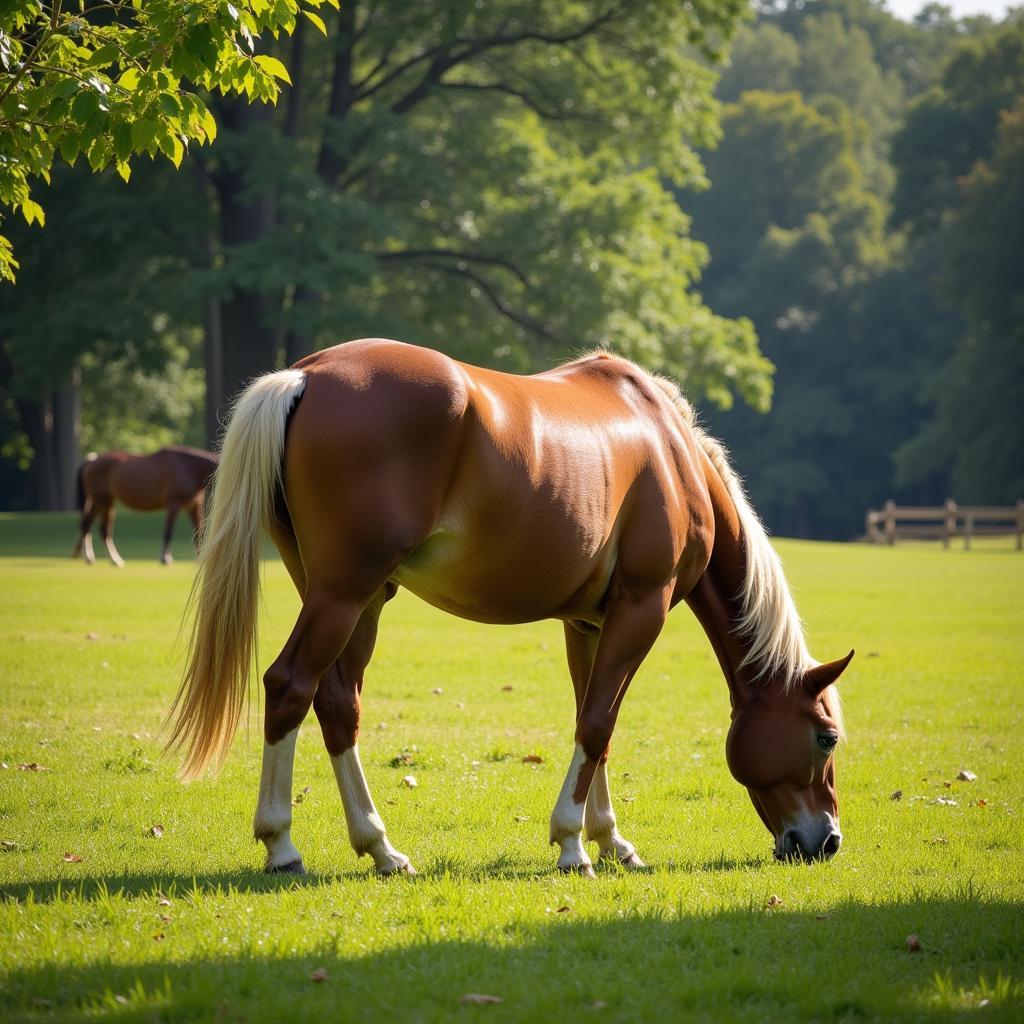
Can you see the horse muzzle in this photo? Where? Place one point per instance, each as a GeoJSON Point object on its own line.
{"type": "Point", "coordinates": [797, 845]}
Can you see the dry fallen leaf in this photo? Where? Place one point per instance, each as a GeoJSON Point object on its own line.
{"type": "Point", "coordinates": [8, 844]}
{"type": "Point", "coordinates": [31, 766]}
{"type": "Point", "coordinates": [72, 858]}
{"type": "Point", "coordinates": [301, 795]}
{"type": "Point", "coordinates": [896, 795]}
{"type": "Point", "coordinates": [410, 781]}
{"type": "Point", "coordinates": [522, 817]}
{"type": "Point", "coordinates": [479, 998]}
{"type": "Point", "coordinates": [564, 910]}
{"type": "Point", "coordinates": [983, 803]}
{"type": "Point", "coordinates": [507, 688]}
{"type": "Point", "coordinates": [774, 901]}
{"type": "Point", "coordinates": [320, 974]}
{"type": "Point", "coordinates": [92, 636]}
{"type": "Point", "coordinates": [163, 902]}
{"type": "Point", "coordinates": [821, 917]}
{"type": "Point", "coordinates": [157, 831]}
{"type": "Point", "coordinates": [158, 937]}
{"type": "Point", "coordinates": [965, 776]}
{"type": "Point", "coordinates": [913, 944]}
{"type": "Point", "coordinates": [533, 759]}
{"type": "Point", "coordinates": [123, 1000]}
{"type": "Point", "coordinates": [946, 801]}
{"type": "Point", "coordinates": [598, 1004]}
{"type": "Point", "coordinates": [437, 691]}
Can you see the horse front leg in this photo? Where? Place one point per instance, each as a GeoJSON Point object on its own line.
{"type": "Point", "coordinates": [599, 823]}
{"type": "Point", "coordinates": [633, 620]}
{"type": "Point", "coordinates": [83, 545]}
{"type": "Point", "coordinates": [321, 632]}
{"type": "Point", "coordinates": [337, 706]}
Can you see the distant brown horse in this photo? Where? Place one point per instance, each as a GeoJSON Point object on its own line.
{"type": "Point", "coordinates": [173, 478]}
{"type": "Point", "coordinates": [586, 493]}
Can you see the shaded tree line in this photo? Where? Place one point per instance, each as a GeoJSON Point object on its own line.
{"type": "Point", "coordinates": [865, 212]}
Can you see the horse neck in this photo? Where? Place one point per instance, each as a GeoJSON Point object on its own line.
{"type": "Point", "coordinates": [715, 599]}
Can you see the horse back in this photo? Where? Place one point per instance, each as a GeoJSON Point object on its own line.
{"type": "Point", "coordinates": [497, 497]}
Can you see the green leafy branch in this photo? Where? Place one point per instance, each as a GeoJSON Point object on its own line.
{"type": "Point", "coordinates": [110, 81]}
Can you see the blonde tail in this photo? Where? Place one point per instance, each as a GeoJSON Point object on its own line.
{"type": "Point", "coordinates": [225, 592]}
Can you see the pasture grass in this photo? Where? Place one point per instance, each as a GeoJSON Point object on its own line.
{"type": "Point", "coordinates": [185, 926]}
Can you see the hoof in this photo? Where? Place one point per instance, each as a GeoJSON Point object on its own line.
{"type": "Point", "coordinates": [400, 868]}
{"type": "Point", "coordinates": [166, 559]}
{"type": "Point", "coordinates": [632, 862]}
{"type": "Point", "coordinates": [584, 870]}
{"type": "Point", "coordinates": [294, 867]}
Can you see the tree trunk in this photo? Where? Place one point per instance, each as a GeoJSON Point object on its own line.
{"type": "Point", "coordinates": [66, 439]}
{"type": "Point", "coordinates": [248, 339]}
{"type": "Point", "coordinates": [37, 419]}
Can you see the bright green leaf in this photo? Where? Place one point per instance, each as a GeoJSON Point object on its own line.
{"type": "Point", "coordinates": [273, 67]}
{"type": "Point", "coordinates": [316, 20]}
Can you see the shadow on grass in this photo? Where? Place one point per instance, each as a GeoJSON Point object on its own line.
{"type": "Point", "coordinates": [751, 965]}
{"type": "Point", "coordinates": [91, 887]}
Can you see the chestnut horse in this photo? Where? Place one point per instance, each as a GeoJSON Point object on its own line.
{"type": "Point", "coordinates": [173, 478]}
{"type": "Point", "coordinates": [586, 493]}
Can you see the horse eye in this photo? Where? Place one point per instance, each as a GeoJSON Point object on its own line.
{"type": "Point", "coordinates": [827, 740]}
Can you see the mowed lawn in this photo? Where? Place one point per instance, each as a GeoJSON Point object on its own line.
{"type": "Point", "coordinates": [100, 917]}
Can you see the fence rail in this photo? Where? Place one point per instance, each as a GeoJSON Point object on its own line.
{"type": "Point", "coordinates": [886, 525]}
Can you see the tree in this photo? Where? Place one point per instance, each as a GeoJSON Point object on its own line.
{"type": "Point", "coordinates": [953, 125]}
{"type": "Point", "coordinates": [106, 81]}
{"type": "Point", "coordinates": [487, 179]}
{"type": "Point", "coordinates": [976, 428]}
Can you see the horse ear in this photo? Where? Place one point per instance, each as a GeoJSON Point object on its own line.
{"type": "Point", "coordinates": [817, 678]}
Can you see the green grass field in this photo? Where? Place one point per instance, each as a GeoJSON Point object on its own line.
{"type": "Point", "coordinates": [185, 926]}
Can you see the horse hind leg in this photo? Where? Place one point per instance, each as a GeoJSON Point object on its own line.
{"type": "Point", "coordinates": [337, 706]}
{"type": "Point", "coordinates": [321, 632]}
{"type": "Point", "coordinates": [107, 529]}
{"type": "Point", "coordinates": [172, 514]}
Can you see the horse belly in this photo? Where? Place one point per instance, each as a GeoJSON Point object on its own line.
{"type": "Point", "coordinates": [504, 580]}
{"type": "Point", "coordinates": [138, 486]}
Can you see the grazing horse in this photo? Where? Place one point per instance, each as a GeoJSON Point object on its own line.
{"type": "Point", "coordinates": [586, 493]}
{"type": "Point", "coordinates": [173, 478]}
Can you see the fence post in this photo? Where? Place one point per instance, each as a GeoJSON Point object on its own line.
{"type": "Point", "coordinates": [890, 522]}
{"type": "Point", "coordinates": [1020, 524]}
{"type": "Point", "coordinates": [950, 522]}
{"type": "Point", "coordinates": [968, 530]}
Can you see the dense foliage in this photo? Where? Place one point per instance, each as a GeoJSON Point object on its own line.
{"type": "Point", "coordinates": [881, 271]}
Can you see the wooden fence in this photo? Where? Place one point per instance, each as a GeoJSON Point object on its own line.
{"type": "Point", "coordinates": [885, 525]}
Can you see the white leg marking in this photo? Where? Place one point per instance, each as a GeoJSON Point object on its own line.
{"type": "Point", "coordinates": [112, 551]}
{"type": "Point", "coordinates": [567, 821]}
{"type": "Point", "coordinates": [366, 829]}
{"type": "Point", "coordinates": [601, 824]}
{"type": "Point", "coordinates": [273, 821]}
{"type": "Point", "coordinates": [87, 547]}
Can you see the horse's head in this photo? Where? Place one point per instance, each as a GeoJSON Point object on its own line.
{"type": "Point", "coordinates": [780, 746]}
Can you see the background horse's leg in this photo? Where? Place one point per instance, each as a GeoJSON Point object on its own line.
{"type": "Point", "coordinates": [599, 821]}
{"type": "Point", "coordinates": [195, 513]}
{"type": "Point", "coordinates": [107, 529]}
{"type": "Point", "coordinates": [172, 513]}
{"type": "Point", "coordinates": [632, 623]}
{"type": "Point", "coordinates": [84, 543]}
{"type": "Point", "coordinates": [336, 705]}
{"type": "Point", "coordinates": [321, 633]}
